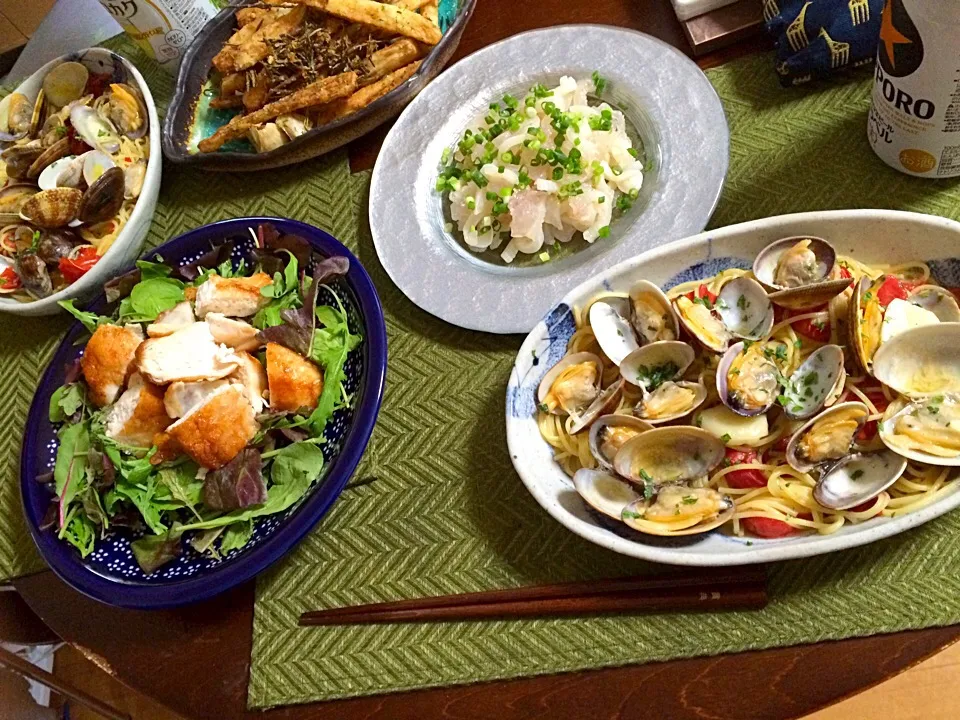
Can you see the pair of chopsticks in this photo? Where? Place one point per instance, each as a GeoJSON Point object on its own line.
{"type": "Point", "coordinates": [741, 588]}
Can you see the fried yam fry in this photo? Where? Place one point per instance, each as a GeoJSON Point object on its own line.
{"type": "Point", "coordinates": [389, 18]}
{"type": "Point", "coordinates": [316, 93]}
{"type": "Point", "coordinates": [431, 11]}
{"type": "Point", "coordinates": [365, 96]}
{"type": "Point", "coordinates": [237, 56]}
{"type": "Point", "coordinates": [248, 15]}
{"type": "Point", "coordinates": [410, 4]}
{"type": "Point", "coordinates": [393, 57]}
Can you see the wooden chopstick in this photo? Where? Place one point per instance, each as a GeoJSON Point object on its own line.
{"type": "Point", "coordinates": [707, 590]}
{"type": "Point", "coordinates": [23, 667]}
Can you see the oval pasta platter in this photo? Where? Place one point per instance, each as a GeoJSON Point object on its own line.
{"type": "Point", "coordinates": [776, 389]}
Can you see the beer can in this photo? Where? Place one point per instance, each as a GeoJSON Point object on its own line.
{"type": "Point", "coordinates": [162, 28]}
{"type": "Point", "coordinates": [914, 119]}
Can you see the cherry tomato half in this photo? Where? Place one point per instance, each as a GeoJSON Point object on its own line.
{"type": "Point", "coordinates": [9, 280]}
{"type": "Point", "coordinates": [766, 527]}
{"type": "Point", "coordinates": [74, 268]}
{"type": "Point", "coordinates": [891, 288]}
{"type": "Point", "coordinates": [703, 292]}
{"type": "Point", "coordinates": [740, 479]}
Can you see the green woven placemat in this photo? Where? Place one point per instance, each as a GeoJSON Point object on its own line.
{"type": "Point", "coordinates": [318, 192]}
{"type": "Point", "coordinates": [446, 512]}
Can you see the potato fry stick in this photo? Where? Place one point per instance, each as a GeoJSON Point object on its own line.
{"type": "Point", "coordinates": [431, 12]}
{"type": "Point", "coordinates": [240, 56]}
{"type": "Point", "coordinates": [380, 15]}
{"type": "Point", "coordinates": [364, 96]}
{"type": "Point", "coordinates": [247, 15]}
{"type": "Point", "coordinates": [393, 57]}
{"type": "Point", "coordinates": [410, 4]}
{"type": "Point", "coordinates": [316, 93]}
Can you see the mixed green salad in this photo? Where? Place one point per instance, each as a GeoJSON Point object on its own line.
{"type": "Point", "coordinates": [101, 484]}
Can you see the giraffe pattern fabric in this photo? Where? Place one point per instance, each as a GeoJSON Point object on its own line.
{"type": "Point", "coordinates": [816, 38]}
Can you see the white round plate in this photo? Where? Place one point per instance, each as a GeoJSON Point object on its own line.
{"type": "Point", "coordinates": [873, 236]}
{"type": "Point", "coordinates": [665, 97]}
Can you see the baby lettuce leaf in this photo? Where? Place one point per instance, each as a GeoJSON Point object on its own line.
{"type": "Point", "coordinates": [298, 465]}
{"type": "Point", "coordinates": [66, 401]}
{"type": "Point", "coordinates": [238, 484]}
{"type": "Point", "coordinates": [331, 346]}
{"type": "Point", "coordinates": [183, 487]}
{"type": "Point", "coordinates": [79, 531]}
{"type": "Point", "coordinates": [330, 268]}
{"type": "Point", "coordinates": [149, 298]}
{"type": "Point", "coordinates": [236, 536]}
{"type": "Point", "coordinates": [296, 330]}
{"type": "Point", "coordinates": [211, 259]}
{"type": "Point", "coordinates": [70, 469]}
{"type": "Point", "coordinates": [154, 551]}
{"type": "Point", "coordinates": [91, 321]}
{"type": "Point", "coordinates": [283, 294]}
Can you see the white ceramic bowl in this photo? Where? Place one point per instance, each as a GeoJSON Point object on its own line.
{"type": "Point", "coordinates": [874, 236]}
{"type": "Point", "coordinates": [130, 240]}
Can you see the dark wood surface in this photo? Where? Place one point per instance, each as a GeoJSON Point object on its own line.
{"type": "Point", "coordinates": [196, 660]}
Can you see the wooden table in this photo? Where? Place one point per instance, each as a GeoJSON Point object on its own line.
{"type": "Point", "coordinates": [196, 660]}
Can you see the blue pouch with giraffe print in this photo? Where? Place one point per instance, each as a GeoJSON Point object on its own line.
{"type": "Point", "coordinates": [818, 38]}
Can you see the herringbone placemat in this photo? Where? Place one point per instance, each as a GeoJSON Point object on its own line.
{"type": "Point", "coordinates": [446, 513]}
{"type": "Point", "coordinates": [318, 192]}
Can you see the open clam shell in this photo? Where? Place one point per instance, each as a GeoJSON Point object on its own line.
{"type": "Point", "coordinates": [64, 83]}
{"type": "Point", "coordinates": [671, 401]}
{"type": "Point", "coordinates": [58, 150]}
{"type": "Point", "coordinates": [926, 430]}
{"type": "Point", "coordinates": [921, 362]}
{"type": "Point", "coordinates": [651, 314]}
{"type": "Point", "coordinates": [677, 510]}
{"type": "Point", "coordinates": [571, 384]}
{"type": "Point", "coordinates": [609, 433]}
{"type": "Point", "coordinates": [748, 379]}
{"type": "Point", "coordinates": [52, 208]}
{"type": "Point", "coordinates": [653, 364]}
{"type": "Point", "coordinates": [858, 478]}
{"type": "Point", "coordinates": [605, 403]}
{"type": "Point", "coordinates": [816, 384]}
{"type": "Point", "coordinates": [669, 455]}
{"type": "Point", "coordinates": [864, 323]}
{"type": "Point", "coordinates": [826, 437]}
{"type": "Point", "coordinates": [609, 320]}
{"type": "Point", "coordinates": [940, 301]}
{"type": "Point", "coordinates": [702, 323]}
{"type": "Point", "coordinates": [799, 271]}
{"type": "Point", "coordinates": [603, 492]}
{"type": "Point", "coordinates": [745, 309]}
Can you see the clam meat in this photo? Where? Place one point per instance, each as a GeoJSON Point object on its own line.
{"type": "Point", "coordinates": [652, 316]}
{"type": "Point", "coordinates": [748, 376]}
{"type": "Point", "coordinates": [926, 430]}
{"type": "Point", "coordinates": [828, 436]}
{"type": "Point", "coordinates": [703, 323]}
{"type": "Point", "coordinates": [677, 510]}
{"type": "Point", "coordinates": [802, 272]}
{"type": "Point", "coordinates": [571, 385]}
{"type": "Point", "coordinates": [609, 433]}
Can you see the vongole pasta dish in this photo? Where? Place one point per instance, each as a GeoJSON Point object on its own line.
{"type": "Point", "coordinates": [73, 165]}
{"type": "Point", "coordinates": [810, 392]}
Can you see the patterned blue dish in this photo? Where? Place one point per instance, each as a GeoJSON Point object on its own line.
{"type": "Point", "coordinates": [111, 574]}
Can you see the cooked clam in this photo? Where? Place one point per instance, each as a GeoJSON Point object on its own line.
{"type": "Point", "coordinates": [65, 83]}
{"type": "Point", "coordinates": [609, 322]}
{"type": "Point", "coordinates": [865, 323]}
{"type": "Point", "coordinates": [65, 172]}
{"type": "Point", "coordinates": [858, 478]}
{"type": "Point", "coordinates": [651, 314]}
{"type": "Point", "coordinates": [939, 301]}
{"type": "Point", "coordinates": [609, 433]}
{"type": "Point", "coordinates": [801, 272]}
{"type": "Point", "coordinates": [57, 244]}
{"type": "Point", "coordinates": [12, 199]}
{"type": "Point", "coordinates": [572, 387]}
{"type": "Point", "coordinates": [33, 274]}
{"type": "Point", "coordinates": [702, 323]}
{"type": "Point", "coordinates": [656, 369]}
{"type": "Point", "coordinates": [133, 177]}
{"type": "Point", "coordinates": [828, 436]}
{"type": "Point", "coordinates": [816, 384]}
{"type": "Point", "coordinates": [19, 114]}
{"type": "Point", "coordinates": [58, 150]}
{"type": "Point", "coordinates": [748, 377]}
{"type": "Point", "coordinates": [669, 455]}
{"type": "Point", "coordinates": [52, 208]}
{"type": "Point", "coordinates": [39, 115]}
{"type": "Point", "coordinates": [94, 129]}
{"type": "Point", "coordinates": [926, 430]}
{"type": "Point", "coordinates": [921, 362]}
{"type": "Point", "coordinates": [603, 492]}
{"type": "Point", "coordinates": [677, 510]}
{"type": "Point", "coordinates": [745, 309]}
{"type": "Point", "coordinates": [103, 199]}
{"type": "Point", "coordinates": [126, 110]}
{"type": "Point", "coordinates": [19, 158]}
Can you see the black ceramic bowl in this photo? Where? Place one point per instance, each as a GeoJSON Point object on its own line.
{"type": "Point", "coordinates": [195, 69]}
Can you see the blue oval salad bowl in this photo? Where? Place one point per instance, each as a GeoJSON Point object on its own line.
{"type": "Point", "coordinates": [210, 555]}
